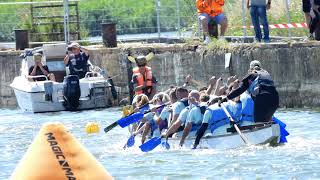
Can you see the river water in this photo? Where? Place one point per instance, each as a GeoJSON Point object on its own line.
{"type": "Point", "coordinates": [298, 159]}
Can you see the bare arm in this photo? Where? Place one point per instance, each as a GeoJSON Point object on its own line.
{"type": "Point", "coordinates": [172, 129]}
{"type": "Point", "coordinates": [86, 51]}
{"type": "Point", "coordinates": [186, 131]}
{"type": "Point", "coordinates": [66, 59]}
{"type": "Point", "coordinates": [212, 83]}
{"type": "Point", "coordinates": [45, 72]}
{"type": "Point", "coordinates": [216, 91]}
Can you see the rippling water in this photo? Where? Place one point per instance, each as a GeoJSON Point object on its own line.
{"type": "Point", "coordinates": [298, 159]}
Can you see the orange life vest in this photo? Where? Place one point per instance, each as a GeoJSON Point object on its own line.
{"type": "Point", "coordinates": [141, 78]}
{"type": "Point", "coordinates": [212, 7]}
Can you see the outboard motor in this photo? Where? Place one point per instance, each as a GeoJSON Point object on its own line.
{"type": "Point", "coordinates": [71, 92]}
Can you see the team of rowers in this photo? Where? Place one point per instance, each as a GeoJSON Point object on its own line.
{"type": "Point", "coordinates": [253, 99]}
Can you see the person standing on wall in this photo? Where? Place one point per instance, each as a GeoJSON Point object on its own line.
{"type": "Point", "coordinates": [311, 9]}
{"type": "Point", "coordinates": [211, 10]}
{"type": "Point", "coordinates": [258, 11]}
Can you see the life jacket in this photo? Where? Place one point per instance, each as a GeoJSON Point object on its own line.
{"type": "Point", "coordinates": [185, 102]}
{"type": "Point", "coordinates": [212, 7]}
{"type": "Point", "coordinates": [203, 109]}
{"type": "Point", "coordinates": [218, 117]}
{"type": "Point", "coordinates": [141, 79]}
{"type": "Point", "coordinates": [247, 108]}
{"type": "Point", "coordinates": [262, 80]}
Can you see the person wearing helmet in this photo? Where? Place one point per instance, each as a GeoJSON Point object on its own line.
{"type": "Point", "coordinates": [142, 79]}
{"type": "Point", "coordinates": [77, 60]}
{"type": "Point", "coordinates": [39, 69]}
{"type": "Point", "coordinates": [260, 86]}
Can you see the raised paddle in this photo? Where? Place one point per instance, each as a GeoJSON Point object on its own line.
{"type": "Point", "coordinates": [245, 140]}
{"type": "Point", "coordinates": [130, 119]}
{"type": "Point", "coordinates": [116, 123]}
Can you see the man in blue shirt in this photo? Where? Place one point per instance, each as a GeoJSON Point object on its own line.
{"type": "Point", "coordinates": [77, 61]}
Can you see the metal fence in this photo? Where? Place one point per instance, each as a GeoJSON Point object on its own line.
{"type": "Point", "coordinates": [140, 19]}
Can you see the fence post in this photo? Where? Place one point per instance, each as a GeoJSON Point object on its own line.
{"type": "Point", "coordinates": [158, 4]}
{"type": "Point", "coordinates": [178, 16]}
{"type": "Point", "coordinates": [287, 2]}
{"type": "Point", "coordinates": [21, 38]}
{"type": "Point", "coordinates": [243, 12]}
{"type": "Point", "coordinates": [66, 21]}
{"type": "Point", "coordinates": [109, 34]}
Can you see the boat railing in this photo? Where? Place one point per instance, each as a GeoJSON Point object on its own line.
{"type": "Point", "coordinates": [38, 76]}
{"type": "Point", "coordinates": [92, 74]}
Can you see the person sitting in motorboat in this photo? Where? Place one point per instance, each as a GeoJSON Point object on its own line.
{"type": "Point", "coordinates": [77, 60]}
{"type": "Point", "coordinates": [143, 80]}
{"type": "Point", "coordinates": [261, 87]}
{"type": "Point", "coordinates": [39, 69]}
{"type": "Point", "coordinates": [195, 116]}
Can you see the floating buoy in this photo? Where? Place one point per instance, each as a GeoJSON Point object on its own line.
{"type": "Point", "coordinates": [56, 155]}
{"type": "Point", "coordinates": [92, 127]}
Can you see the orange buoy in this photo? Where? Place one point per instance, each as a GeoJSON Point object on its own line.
{"type": "Point", "coordinates": [56, 155]}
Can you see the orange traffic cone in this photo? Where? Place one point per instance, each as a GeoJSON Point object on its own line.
{"type": "Point", "coordinates": [55, 155]}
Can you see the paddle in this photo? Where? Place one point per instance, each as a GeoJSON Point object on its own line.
{"type": "Point", "coordinates": [245, 140]}
{"type": "Point", "coordinates": [130, 119]}
{"type": "Point", "coordinates": [153, 143]}
{"type": "Point", "coordinates": [130, 142]}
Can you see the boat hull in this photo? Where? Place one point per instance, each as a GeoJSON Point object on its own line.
{"type": "Point", "coordinates": [268, 134]}
{"type": "Point", "coordinates": [31, 95]}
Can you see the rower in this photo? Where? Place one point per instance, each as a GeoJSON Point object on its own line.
{"type": "Point", "coordinates": [216, 119]}
{"type": "Point", "coordinates": [260, 86]}
{"type": "Point", "coordinates": [180, 112]}
{"type": "Point", "coordinates": [196, 112]}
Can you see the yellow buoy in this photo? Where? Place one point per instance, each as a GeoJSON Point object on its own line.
{"type": "Point", "coordinates": [56, 155]}
{"type": "Point", "coordinates": [92, 127]}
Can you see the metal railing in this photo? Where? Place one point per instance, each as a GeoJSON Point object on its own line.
{"type": "Point", "coordinates": [148, 19]}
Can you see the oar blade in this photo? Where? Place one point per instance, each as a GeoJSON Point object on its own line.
{"type": "Point", "coordinates": [165, 145]}
{"type": "Point", "coordinates": [126, 121]}
{"type": "Point", "coordinates": [111, 126]}
{"type": "Point", "coordinates": [150, 145]}
{"type": "Point", "coordinates": [130, 141]}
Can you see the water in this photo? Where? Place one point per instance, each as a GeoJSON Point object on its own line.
{"type": "Point", "coordinates": [298, 159]}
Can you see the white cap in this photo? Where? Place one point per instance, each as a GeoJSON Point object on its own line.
{"type": "Point", "coordinates": [255, 63]}
{"type": "Point", "coordinates": [74, 45]}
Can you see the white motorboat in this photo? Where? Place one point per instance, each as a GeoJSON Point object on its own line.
{"type": "Point", "coordinates": [94, 90]}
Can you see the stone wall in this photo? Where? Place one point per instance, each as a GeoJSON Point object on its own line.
{"type": "Point", "coordinates": [10, 64]}
{"type": "Point", "coordinates": [294, 67]}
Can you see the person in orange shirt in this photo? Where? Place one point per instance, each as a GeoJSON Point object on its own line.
{"type": "Point", "coordinates": [211, 10]}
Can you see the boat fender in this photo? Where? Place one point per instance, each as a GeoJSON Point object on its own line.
{"type": "Point", "coordinates": [48, 91]}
